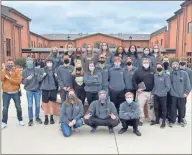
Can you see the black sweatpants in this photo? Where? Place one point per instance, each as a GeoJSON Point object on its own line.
{"type": "Point", "coordinates": [117, 97]}
{"type": "Point", "coordinates": [81, 95]}
{"type": "Point", "coordinates": [94, 122]}
{"type": "Point", "coordinates": [177, 104]}
{"type": "Point", "coordinates": [169, 100]}
{"type": "Point", "coordinates": [160, 107]}
{"type": "Point", "coordinates": [91, 97]}
{"type": "Point", "coordinates": [132, 91]}
{"type": "Point", "coordinates": [131, 122]}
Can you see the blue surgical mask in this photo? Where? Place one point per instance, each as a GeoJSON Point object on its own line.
{"type": "Point", "coordinates": [70, 49]}
{"type": "Point", "coordinates": [29, 64]}
{"type": "Point", "coordinates": [117, 65]}
{"type": "Point", "coordinates": [91, 68]}
{"type": "Point", "coordinates": [105, 48]}
{"type": "Point", "coordinates": [129, 100]}
{"type": "Point", "coordinates": [146, 66]}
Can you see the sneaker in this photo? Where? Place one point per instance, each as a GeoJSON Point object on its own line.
{"type": "Point", "coordinates": [30, 123]}
{"type": "Point", "coordinates": [93, 130]}
{"type": "Point", "coordinates": [52, 121]}
{"type": "Point", "coordinates": [140, 123]}
{"type": "Point", "coordinates": [46, 122]}
{"type": "Point", "coordinates": [39, 120]}
{"type": "Point", "coordinates": [162, 125]}
{"type": "Point", "coordinates": [184, 121]}
{"type": "Point", "coordinates": [170, 125]}
{"type": "Point", "coordinates": [154, 122]}
{"type": "Point", "coordinates": [137, 132]}
{"type": "Point", "coordinates": [122, 131]}
{"type": "Point", "coordinates": [111, 130]}
{"type": "Point", "coordinates": [182, 124]}
{"type": "Point", "coordinates": [3, 125]}
{"type": "Point", "coordinates": [21, 123]}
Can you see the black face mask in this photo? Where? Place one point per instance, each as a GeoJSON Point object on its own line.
{"type": "Point", "coordinates": [159, 69]}
{"type": "Point", "coordinates": [102, 61]}
{"type": "Point", "coordinates": [166, 65]}
{"type": "Point", "coordinates": [182, 63]}
{"type": "Point", "coordinates": [66, 61]}
{"type": "Point", "coordinates": [9, 67]}
{"type": "Point", "coordinates": [129, 63]}
{"type": "Point", "coordinates": [78, 69]}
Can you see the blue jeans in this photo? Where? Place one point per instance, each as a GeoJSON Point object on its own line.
{"type": "Point", "coordinates": [6, 101]}
{"type": "Point", "coordinates": [66, 129]}
{"type": "Point", "coordinates": [37, 97]}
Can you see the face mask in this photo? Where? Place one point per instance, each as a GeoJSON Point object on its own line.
{"type": "Point", "coordinates": [70, 49]}
{"type": "Point", "coordinates": [146, 52]}
{"type": "Point", "coordinates": [89, 49]}
{"type": "Point", "coordinates": [166, 64]}
{"type": "Point", "coordinates": [132, 51]}
{"type": "Point", "coordinates": [54, 53]}
{"type": "Point", "coordinates": [117, 65]}
{"type": "Point", "coordinates": [78, 69]}
{"type": "Point", "coordinates": [146, 66]}
{"type": "Point", "coordinates": [175, 68]}
{"type": "Point", "coordinates": [49, 64]}
{"type": "Point", "coordinates": [182, 64]}
{"type": "Point", "coordinates": [101, 61]}
{"type": "Point", "coordinates": [102, 99]}
{"type": "Point", "coordinates": [104, 48]}
{"type": "Point", "coordinates": [129, 100]}
{"type": "Point", "coordinates": [9, 67]}
{"type": "Point", "coordinates": [71, 97]}
{"type": "Point", "coordinates": [129, 63]}
{"type": "Point", "coordinates": [66, 61]}
{"type": "Point", "coordinates": [29, 64]}
{"type": "Point", "coordinates": [156, 50]}
{"type": "Point", "coordinates": [159, 69]}
{"type": "Point", "coordinates": [91, 68]}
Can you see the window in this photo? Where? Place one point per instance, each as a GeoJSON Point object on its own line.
{"type": "Point", "coordinates": [161, 42]}
{"type": "Point", "coordinates": [61, 46]}
{"type": "Point", "coordinates": [190, 27]}
{"type": "Point", "coordinates": [39, 45]}
{"type": "Point", "coordinates": [8, 47]}
{"type": "Point", "coordinates": [32, 44]}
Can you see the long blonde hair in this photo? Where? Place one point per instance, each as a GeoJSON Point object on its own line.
{"type": "Point", "coordinates": [76, 100]}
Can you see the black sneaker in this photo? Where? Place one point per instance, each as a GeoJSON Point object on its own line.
{"type": "Point", "coordinates": [39, 120]}
{"type": "Point", "coordinates": [93, 130]}
{"type": "Point", "coordinates": [137, 132]}
{"type": "Point", "coordinates": [170, 125]}
{"type": "Point", "coordinates": [30, 123]}
{"type": "Point", "coordinates": [111, 130]}
{"type": "Point", "coordinates": [52, 121]}
{"type": "Point", "coordinates": [140, 123]}
{"type": "Point", "coordinates": [154, 122]}
{"type": "Point", "coordinates": [162, 125]}
{"type": "Point", "coordinates": [46, 121]}
{"type": "Point", "coordinates": [122, 131]}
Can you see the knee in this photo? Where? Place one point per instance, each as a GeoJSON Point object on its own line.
{"type": "Point", "coordinates": [114, 123]}
{"type": "Point", "coordinates": [79, 123]}
{"type": "Point", "coordinates": [66, 130]}
{"type": "Point", "coordinates": [86, 121]}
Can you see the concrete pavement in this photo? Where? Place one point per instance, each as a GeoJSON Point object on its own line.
{"type": "Point", "coordinates": [40, 139]}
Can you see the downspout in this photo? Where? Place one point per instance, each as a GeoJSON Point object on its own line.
{"type": "Point", "coordinates": [177, 51]}
{"type": "Point", "coordinates": [183, 37]}
{"type": "Point", "coordinates": [20, 50]}
{"type": "Point", "coordinates": [14, 41]}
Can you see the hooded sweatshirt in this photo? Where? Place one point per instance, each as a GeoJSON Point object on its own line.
{"type": "Point", "coordinates": [56, 60]}
{"type": "Point", "coordinates": [34, 83]}
{"type": "Point", "coordinates": [189, 72]}
{"type": "Point", "coordinates": [74, 111]}
{"type": "Point", "coordinates": [180, 83]}
{"type": "Point", "coordinates": [129, 111]}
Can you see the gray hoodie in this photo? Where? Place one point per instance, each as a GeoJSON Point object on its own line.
{"type": "Point", "coordinates": [129, 111]}
{"type": "Point", "coordinates": [128, 75]}
{"type": "Point", "coordinates": [102, 111]}
{"type": "Point", "coordinates": [105, 75]}
{"type": "Point", "coordinates": [162, 85]}
{"type": "Point", "coordinates": [180, 83]}
{"type": "Point", "coordinates": [49, 81]}
{"type": "Point", "coordinates": [116, 79]}
{"type": "Point", "coordinates": [93, 83]}
{"type": "Point", "coordinates": [57, 60]}
{"type": "Point", "coordinates": [64, 76]}
{"type": "Point", "coordinates": [168, 71]}
{"type": "Point", "coordinates": [34, 83]}
{"type": "Point", "coordinates": [189, 72]}
{"type": "Point", "coordinates": [71, 112]}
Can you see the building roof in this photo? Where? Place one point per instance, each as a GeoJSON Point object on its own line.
{"type": "Point", "coordinates": [37, 35]}
{"type": "Point", "coordinates": [185, 2]}
{"type": "Point", "coordinates": [5, 10]}
{"type": "Point", "coordinates": [178, 11]}
{"type": "Point", "coordinates": [73, 37]}
{"type": "Point", "coordinates": [164, 29]}
{"type": "Point", "coordinates": [171, 18]}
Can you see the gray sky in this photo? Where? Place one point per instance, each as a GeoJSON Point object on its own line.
{"type": "Point", "coordinates": [94, 16]}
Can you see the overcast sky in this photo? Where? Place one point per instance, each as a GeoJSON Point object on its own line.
{"type": "Point", "coordinates": [94, 16]}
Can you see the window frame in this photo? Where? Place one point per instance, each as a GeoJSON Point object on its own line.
{"type": "Point", "coordinates": [8, 47]}
{"type": "Point", "coordinates": [190, 28]}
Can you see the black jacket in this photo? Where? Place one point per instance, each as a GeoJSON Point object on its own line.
{"type": "Point", "coordinates": [146, 76]}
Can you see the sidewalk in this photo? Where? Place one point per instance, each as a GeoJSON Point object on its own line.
{"type": "Point", "coordinates": [40, 139]}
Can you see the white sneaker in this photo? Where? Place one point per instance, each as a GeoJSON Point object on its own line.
{"type": "Point", "coordinates": [21, 123]}
{"type": "Point", "coordinates": [3, 125]}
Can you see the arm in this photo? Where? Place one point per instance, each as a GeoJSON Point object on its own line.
{"type": "Point", "coordinates": [122, 113]}
{"type": "Point", "coordinates": [3, 73]}
{"type": "Point", "coordinates": [92, 108]}
{"type": "Point", "coordinates": [134, 114]}
{"type": "Point", "coordinates": [17, 79]}
{"type": "Point", "coordinates": [60, 81]}
{"type": "Point", "coordinates": [134, 80]}
{"type": "Point", "coordinates": [81, 112]}
{"type": "Point", "coordinates": [63, 117]}
{"type": "Point", "coordinates": [114, 110]}
{"type": "Point", "coordinates": [99, 79]}
{"type": "Point", "coordinates": [187, 84]}
{"type": "Point", "coordinates": [39, 75]}
{"type": "Point", "coordinates": [167, 84]}
{"type": "Point", "coordinates": [87, 81]}
{"type": "Point", "coordinates": [24, 78]}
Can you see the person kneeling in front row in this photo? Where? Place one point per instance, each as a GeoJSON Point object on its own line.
{"type": "Point", "coordinates": [102, 112]}
{"type": "Point", "coordinates": [129, 114]}
{"type": "Point", "coordinates": [71, 113]}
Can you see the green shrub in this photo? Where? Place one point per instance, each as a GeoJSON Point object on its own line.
{"type": "Point", "coordinates": [171, 60]}
{"type": "Point", "coordinates": [21, 62]}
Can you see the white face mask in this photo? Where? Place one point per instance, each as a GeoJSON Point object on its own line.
{"type": "Point", "coordinates": [146, 66]}
{"type": "Point", "coordinates": [156, 50]}
{"type": "Point", "coordinates": [132, 50]}
{"type": "Point", "coordinates": [49, 64]}
{"type": "Point", "coordinates": [146, 52]}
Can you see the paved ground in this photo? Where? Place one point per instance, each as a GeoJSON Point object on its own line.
{"type": "Point", "coordinates": [41, 139]}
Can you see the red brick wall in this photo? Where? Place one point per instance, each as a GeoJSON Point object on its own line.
{"type": "Point", "coordinates": [156, 40]}
{"type": "Point", "coordinates": [141, 43]}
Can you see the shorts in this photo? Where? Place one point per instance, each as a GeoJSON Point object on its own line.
{"type": "Point", "coordinates": [49, 95]}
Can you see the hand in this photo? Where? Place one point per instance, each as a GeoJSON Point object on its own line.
{"type": "Point", "coordinates": [68, 88]}
{"type": "Point", "coordinates": [65, 88]}
{"type": "Point", "coordinates": [44, 74]}
{"type": "Point", "coordinates": [3, 66]}
{"type": "Point", "coordinates": [73, 121]}
{"type": "Point", "coordinates": [185, 95]}
{"type": "Point", "coordinates": [29, 77]}
{"type": "Point", "coordinates": [70, 124]}
{"type": "Point", "coordinates": [152, 97]}
{"type": "Point", "coordinates": [55, 74]}
{"type": "Point", "coordinates": [139, 90]}
{"type": "Point", "coordinates": [7, 77]}
{"type": "Point", "coordinates": [112, 116]}
{"type": "Point", "coordinates": [87, 116]}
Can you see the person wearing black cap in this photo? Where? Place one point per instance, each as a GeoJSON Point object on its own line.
{"type": "Point", "coordinates": [49, 90]}
{"type": "Point", "coordinates": [102, 112]}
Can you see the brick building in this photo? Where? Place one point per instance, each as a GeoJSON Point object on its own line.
{"type": "Point", "coordinates": [17, 40]}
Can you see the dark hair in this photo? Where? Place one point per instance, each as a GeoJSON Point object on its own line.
{"type": "Point", "coordinates": [149, 51]}
{"type": "Point", "coordinates": [10, 59]}
{"type": "Point", "coordinates": [116, 53]}
{"type": "Point", "coordinates": [129, 51]}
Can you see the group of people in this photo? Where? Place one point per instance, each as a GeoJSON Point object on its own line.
{"type": "Point", "coordinates": [116, 85]}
